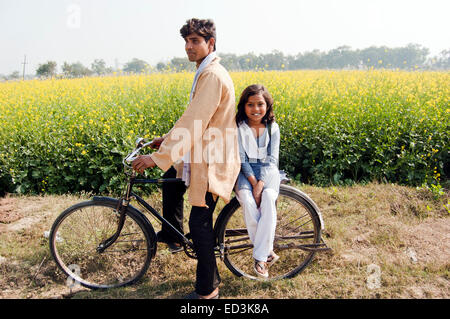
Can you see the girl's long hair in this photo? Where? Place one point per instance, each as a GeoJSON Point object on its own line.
{"type": "Point", "coordinates": [251, 90]}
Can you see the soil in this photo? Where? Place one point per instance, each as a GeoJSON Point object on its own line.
{"type": "Point", "coordinates": [8, 213]}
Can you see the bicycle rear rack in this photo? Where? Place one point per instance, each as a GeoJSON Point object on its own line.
{"type": "Point", "coordinates": [222, 249]}
{"type": "Point", "coordinates": [307, 247]}
{"type": "Point", "coordinates": [315, 247]}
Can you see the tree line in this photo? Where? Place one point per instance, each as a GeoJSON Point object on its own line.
{"type": "Point", "coordinates": [409, 57]}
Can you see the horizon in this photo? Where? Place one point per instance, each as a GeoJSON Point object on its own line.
{"type": "Point", "coordinates": [88, 64]}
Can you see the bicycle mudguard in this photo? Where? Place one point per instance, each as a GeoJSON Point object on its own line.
{"type": "Point", "coordinates": [133, 210]}
{"type": "Point", "coordinates": [104, 199]}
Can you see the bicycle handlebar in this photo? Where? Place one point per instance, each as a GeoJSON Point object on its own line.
{"type": "Point", "coordinates": [134, 154]}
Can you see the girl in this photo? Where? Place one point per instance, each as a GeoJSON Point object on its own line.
{"type": "Point", "coordinates": [258, 182]}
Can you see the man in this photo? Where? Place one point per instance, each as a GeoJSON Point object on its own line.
{"type": "Point", "coordinates": [205, 139]}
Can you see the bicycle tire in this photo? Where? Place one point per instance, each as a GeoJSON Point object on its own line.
{"type": "Point", "coordinates": [231, 234]}
{"type": "Point", "coordinates": [77, 232]}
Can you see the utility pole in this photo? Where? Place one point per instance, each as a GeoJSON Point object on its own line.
{"type": "Point", "coordinates": [24, 62]}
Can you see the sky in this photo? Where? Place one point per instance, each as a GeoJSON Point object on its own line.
{"type": "Point", "coordinates": [118, 31]}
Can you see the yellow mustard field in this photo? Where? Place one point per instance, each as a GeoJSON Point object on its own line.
{"type": "Point", "coordinates": [337, 127]}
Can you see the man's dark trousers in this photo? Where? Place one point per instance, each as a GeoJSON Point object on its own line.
{"type": "Point", "coordinates": [201, 230]}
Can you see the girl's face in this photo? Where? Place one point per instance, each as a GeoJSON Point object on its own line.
{"type": "Point", "coordinates": [255, 108]}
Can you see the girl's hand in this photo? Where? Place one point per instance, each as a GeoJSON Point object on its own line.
{"type": "Point", "coordinates": [257, 192]}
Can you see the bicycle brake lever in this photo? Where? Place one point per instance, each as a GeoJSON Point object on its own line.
{"type": "Point", "coordinates": [131, 157]}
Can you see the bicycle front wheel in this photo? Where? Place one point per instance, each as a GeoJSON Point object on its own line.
{"type": "Point", "coordinates": [297, 234]}
{"type": "Point", "coordinates": [77, 233]}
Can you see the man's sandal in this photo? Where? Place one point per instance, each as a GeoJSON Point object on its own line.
{"type": "Point", "coordinates": [194, 295]}
{"type": "Point", "coordinates": [261, 269]}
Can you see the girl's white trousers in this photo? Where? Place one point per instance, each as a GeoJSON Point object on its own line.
{"type": "Point", "coordinates": [260, 222]}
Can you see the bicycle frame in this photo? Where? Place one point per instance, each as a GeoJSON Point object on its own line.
{"type": "Point", "coordinates": [124, 201]}
{"type": "Point", "coordinates": [153, 211]}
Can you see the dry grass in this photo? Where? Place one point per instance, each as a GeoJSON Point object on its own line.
{"type": "Point", "coordinates": [404, 231]}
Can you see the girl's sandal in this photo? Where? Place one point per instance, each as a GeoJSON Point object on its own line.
{"type": "Point", "coordinates": [272, 259]}
{"type": "Point", "coordinates": [261, 269]}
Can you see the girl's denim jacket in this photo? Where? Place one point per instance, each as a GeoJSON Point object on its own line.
{"type": "Point", "coordinates": [262, 169]}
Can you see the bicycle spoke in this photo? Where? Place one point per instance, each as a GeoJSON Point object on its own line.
{"type": "Point", "coordinates": [285, 225]}
{"type": "Point", "coordinates": [309, 221]}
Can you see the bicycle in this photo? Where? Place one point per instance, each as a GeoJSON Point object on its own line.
{"type": "Point", "coordinates": [112, 243]}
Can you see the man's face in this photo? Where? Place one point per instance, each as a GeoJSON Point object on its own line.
{"type": "Point", "coordinates": [197, 48]}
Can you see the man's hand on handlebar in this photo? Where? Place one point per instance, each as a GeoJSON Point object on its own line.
{"type": "Point", "coordinates": [156, 142]}
{"type": "Point", "coordinates": [142, 162]}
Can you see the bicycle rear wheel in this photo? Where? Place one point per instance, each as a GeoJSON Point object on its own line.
{"type": "Point", "coordinates": [77, 233]}
{"type": "Point", "coordinates": [297, 235]}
